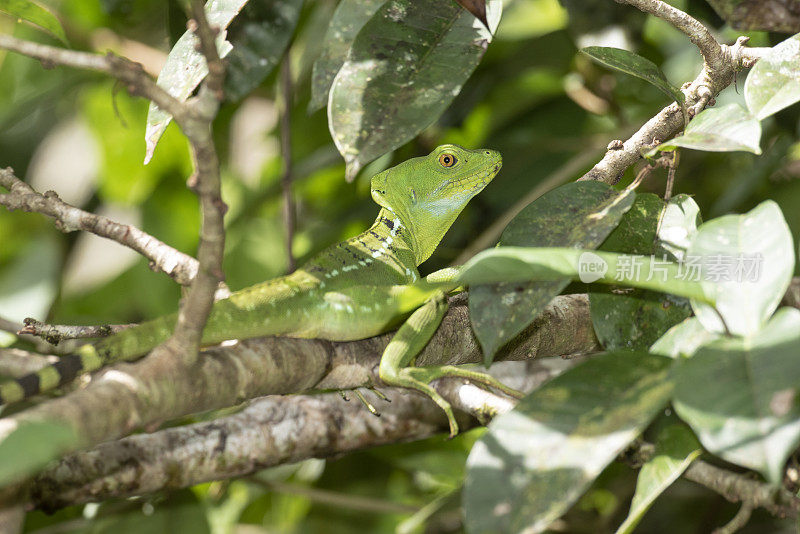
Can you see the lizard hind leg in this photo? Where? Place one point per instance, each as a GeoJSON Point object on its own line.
{"type": "Point", "coordinates": [409, 340]}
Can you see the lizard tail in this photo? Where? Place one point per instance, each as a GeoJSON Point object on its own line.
{"type": "Point", "coordinates": [65, 370]}
{"type": "Point", "coordinates": [123, 346]}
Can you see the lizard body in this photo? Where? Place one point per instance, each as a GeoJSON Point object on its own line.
{"type": "Point", "coordinates": [352, 290]}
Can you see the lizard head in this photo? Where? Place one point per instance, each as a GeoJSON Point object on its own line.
{"type": "Point", "coordinates": [428, 193]}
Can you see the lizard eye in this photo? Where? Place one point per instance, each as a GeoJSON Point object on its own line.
{"type": "Point", "coordinates": [447, 160]}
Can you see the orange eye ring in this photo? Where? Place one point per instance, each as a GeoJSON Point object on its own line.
{"type": "Point", "coordinates": [447, 159]}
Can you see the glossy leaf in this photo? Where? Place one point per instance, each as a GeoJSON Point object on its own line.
{"type": "Point", "coordinates": [636, 232]}
{"type": "Point", "coordinates": [774, 82]}
{"type": "Point", "coordinates": [750, 260]}
{"type": "Point", "coordinates": [634, 319]}
{"type": "Point", "coordinates": [30, 446]}
{"type": "Point", "coordinates": [515, 264]}
{"type": "Point", "coordinates": [259, 35]}
{"type": "Point", "coordinates": [580, 215]}
{"type": "Point", "coordinates": [683, 339]}
{"type": "Point", "coordinates": [535, 461]}
{"type": "Point", "coordinates": [740, 395]}
{"type": "Point", "coordinates": [635, 65]}
{"type": "Point", "coordinates": [726, 129]}
{"type": "Point", "coordinates": [406, 65]}
{"type": "Point", "coordinates": [676, 448]}
{"type": "Point", "coordinates": [348, 19]}
{"type": "Point", "coordinates": [186, 67]}
{"type": "Point", "coordinates": [36, 15]}
{"type": "Point", "coordinates": [678, 225]}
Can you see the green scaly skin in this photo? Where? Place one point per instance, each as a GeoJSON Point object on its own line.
{"type": "Point", "coordinates": [353, 290]}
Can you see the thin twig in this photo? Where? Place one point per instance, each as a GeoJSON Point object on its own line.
{"type": "Point", "coordinates": [691, 27]}
{"type": "Point", "coordinates": [130, 73]}
{"type": "Point", "coordinates": [671, 169]}
{"type": "Point", "coordinates": [55, 333]}
{"type": "Point", "coordinates": [287, 93]}
{"type": "Point", "coordinates": [206, 183]}
{"type": "Point", "coordinates": [737, 487]}
{"type": "Point", "coordinates": [179, 266]}
{"type": "Point", "coordinates": [207, 35]}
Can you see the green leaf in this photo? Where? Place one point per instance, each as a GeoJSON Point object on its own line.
{"type": "Point", "coordinates": [516, 264]}
{"type": "Point", "coordinates": [750, 260]}
{"type": "Point", "coordinates": [36, 15]}
{"type": "Point", "coordinates": [676, 448]}
{"type": "Point", "coordinates": [678, 225]}
{"type": "Point", "coordinates": [741, 395]}
{"type": "Point", "coordinates": [535, 461]}
{"type": "Point", "coordinates": [186, 67]}
{"type": "Point", "coordinates": [347, 21]}
{"type": "Point", "coordinates": [636, 319]}
{"type": "Point", "coordinates": [30, 446]}
{"type": "Point", "coordinates": [406, 65]}
{"type": "Point", "coordinates": [636, 232]}
{"type": "Point", "coordinates": [580, 215]}
{"type": "Point", "coordinates": [726, 129]}
{"type": "Point", "coordinates": [774, 83]}
{"type": "Point", "coordinates": [683, 339]}
{"type": "Point", "coordinates": [259, 35]}
{"type": "Point", "coordinates": [635, 65]}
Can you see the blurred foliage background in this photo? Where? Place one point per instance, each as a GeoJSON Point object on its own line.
{"type": "Point", "coordinates": [532, 97]}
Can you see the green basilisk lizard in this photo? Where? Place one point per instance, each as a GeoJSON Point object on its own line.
{"type": "Point", "coordinates": [355, 289]}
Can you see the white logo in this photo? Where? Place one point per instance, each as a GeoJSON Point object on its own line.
{"type": "Point", "coordinates": [591, 267]}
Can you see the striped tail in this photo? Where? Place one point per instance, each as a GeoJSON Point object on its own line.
{"type": "Point", "coordinates": [123, 346]}
{"type": "Point", "coordinates": [64, 371]}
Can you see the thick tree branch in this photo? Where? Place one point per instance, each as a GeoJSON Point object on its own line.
{"type": "Point", "coordinates": [162, 386]}
{"type": "Point", "coordinates": [270, 431]}
{"type": "Point", "coordinates": [320, 426]}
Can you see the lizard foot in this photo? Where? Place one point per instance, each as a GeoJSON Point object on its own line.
{"type": "Point", "coordinates": [428, 374]}
{"type": "Point", "coordinates": [425, 375]}
{"type": "Point", "coordinates": [405, 378]}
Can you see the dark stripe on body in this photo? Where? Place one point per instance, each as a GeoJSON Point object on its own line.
{"type": "Point", "coordinates": [30, 384]}
{"type": "Point", "coordinates": [68, 368]}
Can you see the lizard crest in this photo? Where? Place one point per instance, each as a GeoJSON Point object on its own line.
{"type": "Point", "coordinates": [427, 193]}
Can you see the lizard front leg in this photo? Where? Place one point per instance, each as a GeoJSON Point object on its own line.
{"type": "Point", "coordinates": [409, 340]}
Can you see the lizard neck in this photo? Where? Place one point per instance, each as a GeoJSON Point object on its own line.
{"type": "Point", "coordinates": [381, 255]}
{"type": "Point", "coordinates": [388, 241]}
